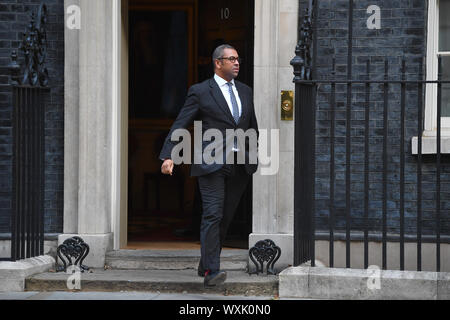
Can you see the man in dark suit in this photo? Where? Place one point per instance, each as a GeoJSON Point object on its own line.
{"type": "Point", "coordinates": [220, 103]}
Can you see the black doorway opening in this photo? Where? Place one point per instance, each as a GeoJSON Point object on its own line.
{"type": "Point", "coordinates": [170, 47]}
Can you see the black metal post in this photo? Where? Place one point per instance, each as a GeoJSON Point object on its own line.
{"type": "Point", "coordinates": [332, 166]}
{"type": "Point", "coordinates": [366, 169]}
{"type": "Point", "coordinates": [348, 134]}
{"type": "Point", "coordinates": [419, 173]}
{"type": "Point", "coordinates": [313, 36]}
{"type": "Point", "coordinates": [385, 162]}
{"type": "Point", "coordinates": [438, 167]}
{"type": "Point", "coordinates": [402, 167]}
{"type": "Point", "coordinates": [14, 208]}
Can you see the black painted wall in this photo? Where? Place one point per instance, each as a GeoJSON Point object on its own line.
{"type": "Point", "coordinates": [402, 35]}
{"type": "Point", "coordinates": [14, 18]}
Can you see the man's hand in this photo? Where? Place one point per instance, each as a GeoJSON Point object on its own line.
{"type": "Point", "coordinates": [167, 167]}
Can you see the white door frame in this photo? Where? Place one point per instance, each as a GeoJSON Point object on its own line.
{"type": "Point", "coordinates": [119, 138]}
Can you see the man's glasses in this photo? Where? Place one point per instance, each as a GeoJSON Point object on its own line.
{"type": "Point", "coordinates": [231, 59]}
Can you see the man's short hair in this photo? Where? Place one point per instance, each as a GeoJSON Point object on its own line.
{"type": "Point", "coordinates": [218, 52]}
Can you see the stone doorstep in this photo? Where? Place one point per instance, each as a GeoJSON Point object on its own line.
{"type": "Point", "coordinates": [172, 259]}
{"type": "Point", "coordinates": [166, 281]}
{"type": "Point", "coordinates": [236, 254]}
{"type": "Point", "coordinates": [13, 274]}
{"type": "Point", "coordinates": [341, 283]}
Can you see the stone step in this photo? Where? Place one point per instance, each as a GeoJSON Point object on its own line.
{"type": "Point", "coordinates": [172, 259]}
{"type": "Point", "coordinates": [164, 281]}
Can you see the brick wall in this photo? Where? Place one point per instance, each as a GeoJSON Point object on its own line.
{"type": "Point", "coordinates": [402, 35]}
{"type": "Point", "coordinates": [14, 18]}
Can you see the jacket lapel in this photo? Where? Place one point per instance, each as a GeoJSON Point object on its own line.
{"type": "Point", "coordinates": [220, 99]}
{"type": "Point", "coordinates": [244, 99]}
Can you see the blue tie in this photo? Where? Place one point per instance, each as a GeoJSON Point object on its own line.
{"type": "Point", "coordinates": [233, 103]}
{"type": "Point", "coordinates": [235, 109]}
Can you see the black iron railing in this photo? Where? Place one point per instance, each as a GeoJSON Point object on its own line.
{"type": "Point", "coordinates": [341, 204]}
{"type": "Point", "coordinates": [29, 88]}
{"type": "Point", "coordinates": [305, 95]}
{"type": "Point", "coordinates": [27, 236]}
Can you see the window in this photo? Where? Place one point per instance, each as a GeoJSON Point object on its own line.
{"type": "Point", "coordinates": [438, 45]}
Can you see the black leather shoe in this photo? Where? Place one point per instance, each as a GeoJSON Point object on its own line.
{"type": "Point", "coordinates": [200, 271]}
{"type": "Point", "coordinates": [214, 279]}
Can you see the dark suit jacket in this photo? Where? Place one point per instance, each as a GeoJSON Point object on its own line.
{"type": "Point", "coordinates": [205, 102]}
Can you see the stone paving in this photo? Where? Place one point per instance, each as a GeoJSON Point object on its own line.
{"type": "Point", "coordinates": [61, 295]}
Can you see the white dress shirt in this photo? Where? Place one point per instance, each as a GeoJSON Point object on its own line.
{"type": "Point", "coordinates": [222, 83]}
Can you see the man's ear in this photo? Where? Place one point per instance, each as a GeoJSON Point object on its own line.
{"type": "Point", "coordinates": [216, 64]}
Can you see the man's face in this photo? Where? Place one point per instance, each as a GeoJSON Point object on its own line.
{"type": "Point", "coordinates": [225, 68]}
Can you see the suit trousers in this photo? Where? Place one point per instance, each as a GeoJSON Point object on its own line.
{"type": "Point", "coordinates": [221, 192]}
